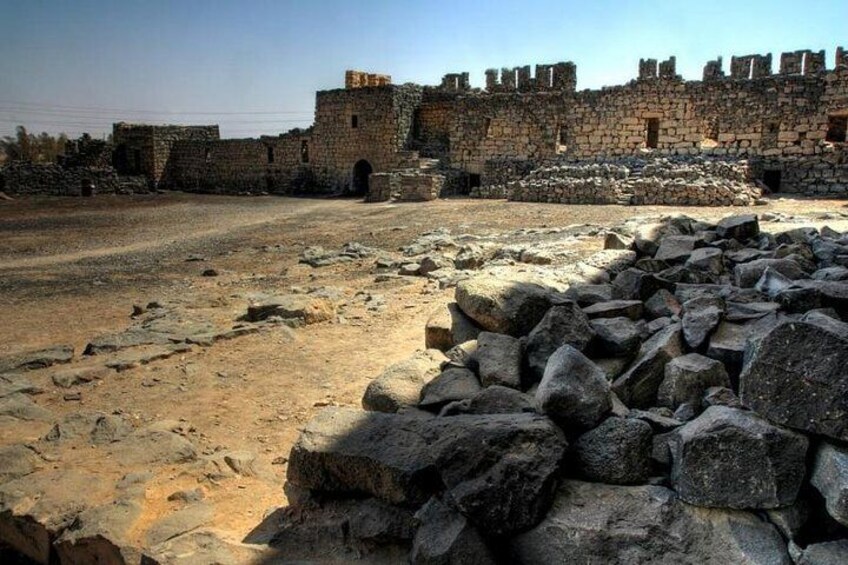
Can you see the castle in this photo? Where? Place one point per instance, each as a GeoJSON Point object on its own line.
{"type": "Point", "coordinates": [375, 139]}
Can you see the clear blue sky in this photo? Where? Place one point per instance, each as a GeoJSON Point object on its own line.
{"type": "Point", "coordinates": [80, 65]}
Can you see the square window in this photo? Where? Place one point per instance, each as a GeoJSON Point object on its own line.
{"type": "Point", "coordinates": [354, 121]}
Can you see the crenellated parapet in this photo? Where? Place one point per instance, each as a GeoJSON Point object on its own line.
{"type": "Point", "coordinates": [713, 70]}
{"type": "Point", "coordinates": [455, 82]}
{"type": "Point", "coordinates": [750, 66]}
{"type": "Point", "coordinates": [841, 59]}
{"type": "Point", "coordinates": [558, 76]}
{"type": "Point", "coordinates": [802, 62]}
{"type": "Point", "coordinates": [651, 69]}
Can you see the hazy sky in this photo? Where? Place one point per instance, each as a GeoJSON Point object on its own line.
{"type": "Point", "coordinates": [254, 66]}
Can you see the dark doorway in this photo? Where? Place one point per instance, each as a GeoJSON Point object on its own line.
{"type": "Point", "coordinates": [473, 181]}
{"type": "Point", "coordinates": [137, 161]}
{"type": "Point", "coordinates": [653, 136]}
{"type": "Point", "coordinates": [837, 126]}
{"type": "Point", "coordinates": [361, 171]}
{"type": "Point", "coordinates": [772, 180]}
{"type": "Point", "coordinates": [120, 160]}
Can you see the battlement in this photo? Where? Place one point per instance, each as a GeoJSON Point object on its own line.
{"type": "Point", "coordinates": [455, 82]}
{"type": "Point", "coordinates": [558, 76]}
{"type": "Point", "coordinates": [361, 79]}
{"type": "Point", "coordinates": [651, 69]}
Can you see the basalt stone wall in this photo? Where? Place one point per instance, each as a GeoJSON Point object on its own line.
{"type": "Point", "coordinates": [279, 165]}
{"type": "Point", "coordinates": [27, 179]}
{"type": "Point", "coordinates": [404, 186]}
{"type": "Point", "coordinates": [373, 124]}
{"type": "Point", "coordinates": [433, 119]}
{"type": "Point", "coordinates": [779, 117]}
{"type": "Point", "coordinates": [146, 149]}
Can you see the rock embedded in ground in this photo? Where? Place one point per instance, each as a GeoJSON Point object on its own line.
{"type": "Point", "coordinates": [17, 461]}
{"type": "Point", "coordinates": [795, 376]}
{"type": "Point", "coordinates": [830, 477]}
{"type": "Point", "coordinates": [598, 523]}
{"type": "Point", "coordinates": [499, 357]}
{"type": "Point", "coordinates": [400, 384]}
{"type": "Point", "coordinates": [688, 377]}
{"type": "Point", "coordinates": [729, 458]}
{"type": "Point", "coordinates": [38, 359]}
{"type": "Point", "coordinates": [574, 391]}
{"type": "Point", "coordinates": [304, 308]}
{"type": "Point", "coordinates": [508, 307]}
{"type": "Point", "coordinates": [616, 452]}
{"type": "Point", "coordinates": [638, 386]}
{"type": "Point", "coordinates": [564, 324]}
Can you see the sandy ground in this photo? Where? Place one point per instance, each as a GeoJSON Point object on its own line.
{"type": "Point", "coordinates": [71, 269]}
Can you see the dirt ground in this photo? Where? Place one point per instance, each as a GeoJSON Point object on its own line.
{"type": "Point", "coordinates": [72, 269]}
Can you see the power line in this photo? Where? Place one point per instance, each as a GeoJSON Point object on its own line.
{"type": "Point", "coordinates": [35, 106]}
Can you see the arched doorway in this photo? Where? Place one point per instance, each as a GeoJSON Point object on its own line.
{"type": "Point", "coordinates": [361, 170]}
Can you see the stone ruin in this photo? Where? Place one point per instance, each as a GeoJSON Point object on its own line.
{"type": "Point", "coordinates": [788, 126]}
{"type": "Point", "coordinates": [683, 400]}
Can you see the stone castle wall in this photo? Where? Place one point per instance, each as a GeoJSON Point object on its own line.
{"type": "Point", "coordinates": [146, 149]}
{"type": "Point", "coordinates": [279, 165]}
{"type": "Point", "coordinates": [28, 179]}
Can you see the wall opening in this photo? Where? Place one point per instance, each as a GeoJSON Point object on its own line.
{"type": "Point", "coordinates": [270, 154]}
{"type": "Point", "coordinates": [562, 140]}
{"type": "Point", "coordinates": [473, 181]}
{"type": "Point", "coordinates": [136, 161]}
{"type": "Point", "coordinates": [771, 178]}
{"type": "Point", "coordinates": [361, 171]}
{"type": "Point", "coordinates": [487, 126]}
{"type": "Point", "coordinates": [652, 137]}
{"type": "Point", "coordinates": [354, 121]}
{"type": "Point", "coordinates": [120, 160]}
{"type": "Point", "coordinates": [836, 129]}
{"type": "Point", "coordinates": [304, 151]}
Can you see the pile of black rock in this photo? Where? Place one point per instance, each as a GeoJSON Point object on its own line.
{"type": "Point", "coordinates": [692, 410]}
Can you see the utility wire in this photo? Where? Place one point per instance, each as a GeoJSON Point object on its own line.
{"type": "Point", "coordinates": [35, 106]}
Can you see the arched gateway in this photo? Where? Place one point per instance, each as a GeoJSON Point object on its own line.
{"type": "Point", "coordinates": [361, 171]}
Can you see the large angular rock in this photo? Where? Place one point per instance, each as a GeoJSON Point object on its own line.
{"type": "Point", "coordinates": [400, 384]}
{"type": "Point", "coordinates": [688, 377]}
{"type": "Point", "coordinates": [635, 284]}
{"type": "Point", "coordinates": [588, 294]}
{"type": "Point", "coordinates": [638, 386]}
{"type": "Point", "coordinates": [830, 477]}
{"type": "Point", "coordinates": [746, 275]}
{"type": "Point", "coordinates": [597, 523]}
{"type": "Point", "coordinates": [574, 391]}
{"type": "Point", "coordinates": [824, 553]}
{"type": "Point", "coordinates": [662, 304]}
{"type": "Point", "coordinates": [444, 536]}
{"type": "Point", "coordinates": [500, 470]}
{"type": "Point", "coordinates": [17, 461]}
{"type": "Point", "coordinates": [564, 324]}
{"type": "Point", "coordinates": [795, 376]}
{"type": "Point", "coordinates": [499, 358]}
{"type": "Point", "coordinates": [454, 383]}
{"type": "Point", "coordinates": [616, 452]}
{"type": "Point", "coordinates": [701, 316]}
{"type": "Point", "coordinates": [615, 309]}
{"type": "Point", "coordinates": [707, 259]}
{"type": "Point", "coordinates": [615, 337]}
{"type": "Point", "coordinates": [343, 450]}
{"type": "Point", "coordinates": [101, 535]}
{"type": "Point", "coordinates": [448, 327]}
{"type": "Point", "coordinates": [493, 399]}
{"type": "Point", "coordinates": [738, 227]}
{"type": "Point", "coordinates": [676, 248]}
{"type": "Point", "coordinates": [507, 307]}
{"type": "Point", "coordinates": [729, 458]}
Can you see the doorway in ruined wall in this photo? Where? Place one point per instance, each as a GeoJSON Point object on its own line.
{"type": "Point", "coordinates": [361, 171]}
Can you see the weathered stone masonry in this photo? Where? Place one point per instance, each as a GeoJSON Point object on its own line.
{"type": "Point", "coordinates": [789, 127]}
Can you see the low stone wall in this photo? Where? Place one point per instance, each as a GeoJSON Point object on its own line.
{"type": "Point", "coordinates": [53, 180]}
{"type": "Point", "coordinates": [404, 186]}
{"type": "Point", "coordinates": [696, 182]}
